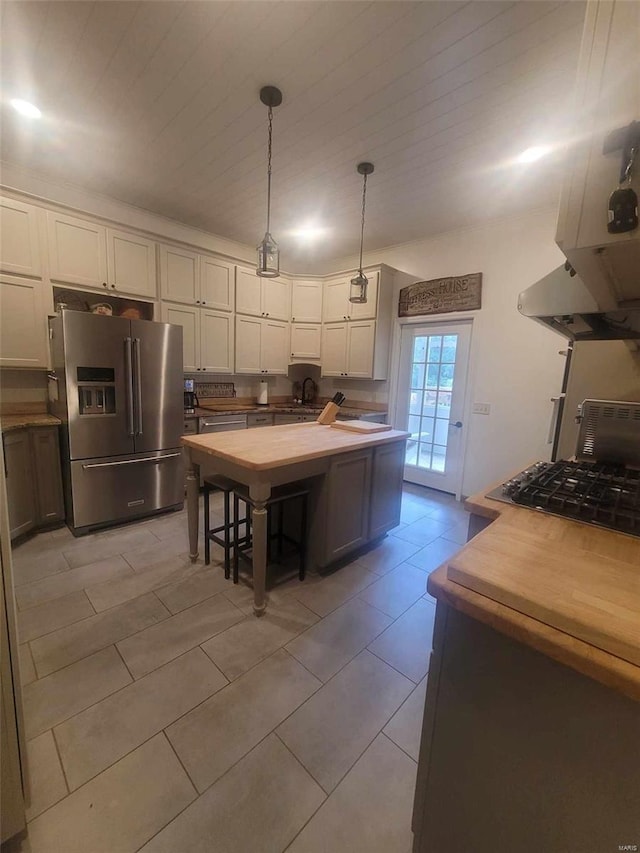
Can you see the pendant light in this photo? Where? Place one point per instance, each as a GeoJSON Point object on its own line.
{"type": "Point", "coordinates": [268, 251]}
{"type": "Point", "coordinates": [358, 289]}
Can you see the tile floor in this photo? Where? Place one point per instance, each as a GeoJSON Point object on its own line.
{"type": "Point", "coordinates": [163, 716]}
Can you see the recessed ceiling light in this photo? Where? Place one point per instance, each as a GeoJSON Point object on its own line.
{"type": "Point", "coordinates": [530, 155]}
{"type": "Point", "coordinates": [25, 108]}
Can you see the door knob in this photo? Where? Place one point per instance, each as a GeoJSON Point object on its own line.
{"type": "Point", "coordinates": [457, 424]}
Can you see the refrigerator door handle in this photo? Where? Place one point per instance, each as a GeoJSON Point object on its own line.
{"type": "Point", "coordinates": [138, 385]}
{"type": "Point", "coordinates": [129, 384]}
{"type": "Point", "coordinates": [131, 461]}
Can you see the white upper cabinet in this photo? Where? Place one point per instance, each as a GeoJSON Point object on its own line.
{"type": "Point", "coordinates": [77, 251]}
{"type": "Point", "coordinates": [131, 263]}
{"type": "Point", "coordinates": [336, 300]}
{"type": "Point", "coordinates": [261, 346]}
{"type": "Point", "coordinates": [306, 341]}
{"type": "Point", "coordinates": [189, 319]}
{"type": "Point", "coordinates": [306, 301]}
{"type": "Point", "coordinates": [19, 244]}
{"type": "Point", "coordinates": [262, 297]}
{"type": "Point", "coordinates": [179, 275]}
{"type": "Point", "coordinates": [348, 349]}
{"type": "Point", "coordinates": [23, 323]}
{"type": "Point", "coordinates": [85, 253]}
{"type": "Point", "coordinates": [217, 283]}
{"type": "Point", "coordinates": [216, 341]}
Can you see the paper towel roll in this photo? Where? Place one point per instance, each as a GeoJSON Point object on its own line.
{"type": "Point", "coordinates": [263, 393]}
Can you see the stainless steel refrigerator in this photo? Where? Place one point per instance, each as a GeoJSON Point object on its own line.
{"type": "Point", "coordinates": [117, 388]}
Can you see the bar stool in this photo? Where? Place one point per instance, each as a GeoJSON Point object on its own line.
{"type": "Point", "coordinates": [216, 483]}
{"type": "Point", "coordinates": [278, 499]}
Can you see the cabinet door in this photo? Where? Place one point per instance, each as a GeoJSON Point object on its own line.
{"type": "Point", "coordinates": [19, 244]}
{"type": "Point", "coordinates": [306, 341]}
{"type": "Point", "coordinates": [77, 251]}
{"type": "Point", "coordinates": [334, 349]}
{"type": "Point", "coordinates": [275, 347]}
{"type": "Point", "coordinates": [23, 323]}
{"type": "Point", "coordinates": [386, 488]}
{"type": "Point", "coordinates": [189, 319]}
{"type": "Point", "coordinates": [217, 284]}
{"type": "Point", "coordinates": [131, 262]}
{"type": "Point", "coordinates": [216, 341]}
{"type": "Point", "coordinates": [360, 349]}
{"type": "Point", "coordinates": [349, 485]}
{"type": "Point", "coordinates": [20, 490]}
{"type": "Point", "coordinates": [179, 275]}
{"type": "Point", "coordinates": [366, 310]}
{"type": "Point", "coordinates": [306, 301]}
{"type": "Point", "coordinates": [248, 292]}
{"type": "Point", "coordinates": [336, 300]}
{"type": "Point", "coordinates": [45, 452]}
{"type": "Point", "coordinates": [248, 337]}
{"type": "Point", "coordinates": [276, 298]}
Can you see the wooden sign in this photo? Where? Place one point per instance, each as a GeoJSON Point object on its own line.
{"type": "Point", "coordinates": [441, 295]}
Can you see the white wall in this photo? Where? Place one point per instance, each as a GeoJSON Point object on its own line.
{"type": "Point", "coordinates": [514, 363]}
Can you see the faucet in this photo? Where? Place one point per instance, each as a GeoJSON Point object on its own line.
{"type": "Point", "coordinates": [303, 399]}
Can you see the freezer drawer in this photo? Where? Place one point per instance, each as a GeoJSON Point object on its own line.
{"type": "Point", "coordinates": [109, 490]}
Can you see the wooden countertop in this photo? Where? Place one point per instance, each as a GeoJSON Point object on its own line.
{"type": "Point", "coordinates": [9, 422]}
{"type": "Point", "coordinates": [569, 590]}
{"type": "Point", "coordinates": [274, 447]}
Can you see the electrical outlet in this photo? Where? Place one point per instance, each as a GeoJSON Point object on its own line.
{"type": "Point", "coordinates": [481, 408]}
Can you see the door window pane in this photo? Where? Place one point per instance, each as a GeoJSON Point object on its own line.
{"type": "Point", "coordinates": [446, 375]}
{"type": "Point", "coordinates": [415, 400]}
{"type": "Point", "coordinates": [412, 453]}
{"type": "Point", "coordinates": [420, 349]}
{"type": "Point", "coordinates": [429, 405]}
{"type": "Point", "coordinates": [417, 376]}
{"type": "Point", "coordinates": [444, 404]}
{"type": "Point", "coordinates": [435, 347]}
{"type": "Point", "coordinates": [442, 431]}
{"type": "Point", "coordinates": [433, 372]}
{"type": "Point", "coordinates": [424, 455]}
{"type": "Point", "coordinates": [414, 426]}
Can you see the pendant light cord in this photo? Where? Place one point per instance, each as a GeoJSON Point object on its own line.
{"type": "Point", "coordinates": [269, 171]}
{"type": "Point", "coordinates": [364, 201]}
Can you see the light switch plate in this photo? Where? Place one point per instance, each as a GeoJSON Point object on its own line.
{"type": "Point", "coordinates": [481, 408]}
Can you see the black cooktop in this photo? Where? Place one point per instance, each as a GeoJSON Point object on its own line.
{"type": "Point", "coordinates": [594, 492]}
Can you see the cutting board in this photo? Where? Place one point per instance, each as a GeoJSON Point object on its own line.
{"type": "Point", "coordinates": [360, 426]}
{"type": "Point", "coordinates": [586, 595]}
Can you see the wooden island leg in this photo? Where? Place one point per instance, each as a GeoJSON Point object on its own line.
{"type": "Point", "coordinates": [193, 490]}
{"type": "Point", "coordinates": [259, 495]}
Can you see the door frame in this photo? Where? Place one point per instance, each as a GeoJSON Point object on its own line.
{"type": "Point", "coordinates": [435, 320]}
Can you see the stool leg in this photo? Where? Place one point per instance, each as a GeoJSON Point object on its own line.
{"type": "Point", "coordinates": [207, 527]}
{"type": "Point", "coordinates": [236, 532]}
{"type": "Point", "coordinates": [227, 534]}
{"type": "Point", "coordinates": [269, 520]}
{"type": "Point", "coordinates": [280, 528]}
{"type": "Point", "coordinates": [303, 539]}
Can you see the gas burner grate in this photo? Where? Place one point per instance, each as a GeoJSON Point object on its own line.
{"type": "Point", "coordinates": [600, 493]}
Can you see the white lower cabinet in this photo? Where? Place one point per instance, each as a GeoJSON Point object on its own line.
{"type": "Point", "coordinates": [23, 323]}
{"type": "Point", "coordinates": [207, 337]}
{"type": "Point", "coordinates": [348, 349]}
{"type": "Point", "coordinates": [262, 346]}
{"type": "Point", "coordinates": [306, 341]}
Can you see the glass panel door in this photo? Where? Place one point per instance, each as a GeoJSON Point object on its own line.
{"type": "Point", "coordinates": [431, 402]}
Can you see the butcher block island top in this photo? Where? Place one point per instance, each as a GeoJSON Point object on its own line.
{"type": "Point", "coordinates": [277, 446]}
{"type": "Point", "coordinates": [569, 590]}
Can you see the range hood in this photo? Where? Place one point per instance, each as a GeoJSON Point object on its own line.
{"type": "Point", "coordinates": [563, 302]}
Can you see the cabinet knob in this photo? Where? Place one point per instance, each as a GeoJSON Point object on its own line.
{"type": "Point", "coordinates": [197, 302]}
{"type": "Point", "coordinates": [104, 284]}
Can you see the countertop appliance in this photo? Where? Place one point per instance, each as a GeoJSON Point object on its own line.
{"type": "Point", "coordinates": [119, 401]}
{"type": "Point", "coordinates": [190, 397]}
{"type": "Point", "coordinates": [602, 485]}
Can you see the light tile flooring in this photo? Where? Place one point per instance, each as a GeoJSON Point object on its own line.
{"type": "Point", "coordinates": [163, 716]}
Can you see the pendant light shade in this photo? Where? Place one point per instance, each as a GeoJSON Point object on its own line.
{"type": "Point", "coordinates": [358, 289]}
{"type": "Point", "coordinates": [268, 252]}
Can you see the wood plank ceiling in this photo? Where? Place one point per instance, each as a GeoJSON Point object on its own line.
{"type": "Point", "coordinates": [156, 104]}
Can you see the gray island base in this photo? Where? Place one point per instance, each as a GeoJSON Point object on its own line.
{"type": "Point", "coordinates": [355, 481]}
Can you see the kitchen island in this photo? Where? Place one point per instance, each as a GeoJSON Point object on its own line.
{"type": "Point", "coordinates": [356, 481]}
{"type": "Point", "coordinates": [531, 729]}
